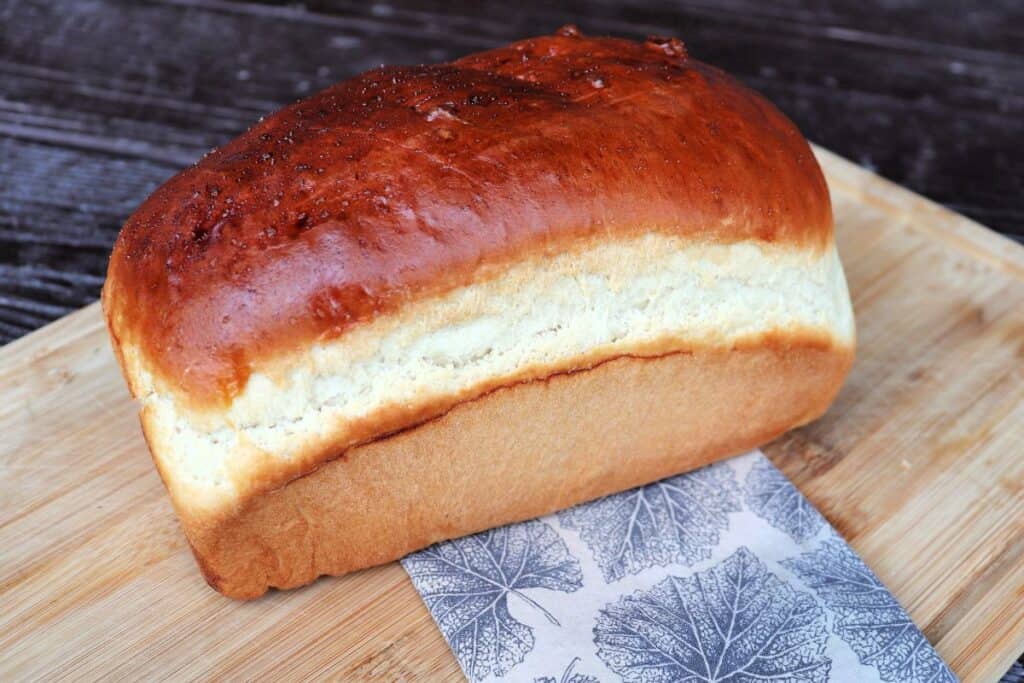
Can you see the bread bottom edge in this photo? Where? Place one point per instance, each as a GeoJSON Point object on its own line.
{"type": "Point", "coordinates": [514, 454]}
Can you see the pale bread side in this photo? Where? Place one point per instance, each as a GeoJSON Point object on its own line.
{"type": "Point", "coordinates": [644, 297]}
{"type": "Point", "coordinates": [514, 454]}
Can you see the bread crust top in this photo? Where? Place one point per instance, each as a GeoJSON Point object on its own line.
{"type": "Point", "coordinates": [408, 182]}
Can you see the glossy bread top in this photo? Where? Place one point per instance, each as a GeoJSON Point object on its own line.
{"type": "Point", "coordinates": [406, 182]}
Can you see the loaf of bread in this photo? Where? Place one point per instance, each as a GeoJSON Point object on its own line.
{"type": "Point", "coordinates": [435, 299]}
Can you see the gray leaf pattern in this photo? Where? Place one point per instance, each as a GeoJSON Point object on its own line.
{"type": "Point", "coordinates": [676, 520]}
{"type": "Point", "coordinates": [467, 583]}
{"type": "Point", "coordinates": [735, 622]}
{"type": "Point", "coordinates": [868, 617]}
{"type": "Point", "coordinates": [774, 498]}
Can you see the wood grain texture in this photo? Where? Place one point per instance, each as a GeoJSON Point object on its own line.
{"type": "Point", "coordinates": [918, 465]}
{"type": "Point", "coordinates": [102, 100]}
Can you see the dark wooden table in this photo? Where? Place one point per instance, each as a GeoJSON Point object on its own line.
{"type": "Point", "coordinates": [101, 101]}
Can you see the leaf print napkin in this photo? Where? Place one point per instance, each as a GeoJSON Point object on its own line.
{"type": "Point", "coordinates": [723, 574]}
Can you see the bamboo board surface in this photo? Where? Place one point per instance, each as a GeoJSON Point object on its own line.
{"type": "Point", "coordinates": [920, 465]}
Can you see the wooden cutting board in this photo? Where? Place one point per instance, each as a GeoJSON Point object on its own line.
{"type": "Point", "coordinates": [919, 464]}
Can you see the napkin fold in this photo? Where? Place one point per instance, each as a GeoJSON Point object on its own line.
{"type": "Point", "coordinates": [726, 573]}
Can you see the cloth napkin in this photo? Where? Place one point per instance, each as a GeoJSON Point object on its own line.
{"type": "Point", "coordinates": [726, 573]}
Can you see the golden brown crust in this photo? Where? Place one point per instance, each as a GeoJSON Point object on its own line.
{"type": "Point", "coordinates": [516, 453]}
{"type": "Point", "coordinates": [406, 182]}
